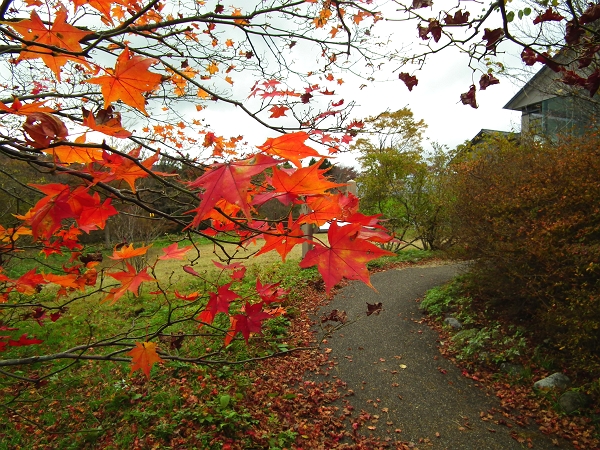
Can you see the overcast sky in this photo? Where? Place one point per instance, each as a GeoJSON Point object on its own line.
{"type": "Point", "coordinates": [436, 99]}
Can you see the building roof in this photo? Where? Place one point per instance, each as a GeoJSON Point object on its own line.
{"type": "Point", "coordinates": [530, 93]}
{"type": "Point", "coordinates": [485, 133]}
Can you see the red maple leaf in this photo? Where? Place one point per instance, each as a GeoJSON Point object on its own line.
{"type": "Point", "coordinates": [459, 18]}
{"type": "Point", "coordinates": [251, 322]}
{"type": "Point", "coordinates": [493, 38]}
{"type": "Point", "coordinates": [468, 98]}
{"type": "Point", "coordinates": [95, 215]}
{"type": "Point", "coordinates": [237, 270]}
{"type": "Point", "coordinates": [24, 340]}
{"type": "Point", "coordinates": [591, 14]}
{"type": "Point", "coordinates": [416, 4]}
{"type": "Point", "coordinates": [229, 181]}
{"type": "Point", "coordinates": [345, 257]}
{"type": "Point", "coordinates": [45, 218]}
{"type": "Point", "coordinates": [529, 57]}
{"type": "Point", "coordinates": [271, 292]}
{"type": "Point", "coordinates": [487, 80]}
{"type": "Point", "coordinates": [278, 111]}
{"type": "Point", "coordinates": [122, 168]}
{"type": "Point", "coordinates": [282, 240]}
{"type": "Point", "coordinates": [174, 252]}
{"type": "Point", "coordinates": [44, 128]}
{"type": "Point", "coordinates": [409, 80]}
{"type": "Point", "coordinates": [218, 302]}
{"type": "Point", "coordinates": [548, 16]}
{"type": "Point", "coordinates": [324, 208]}
{"type": "Point", "coordinates": [434, 28]}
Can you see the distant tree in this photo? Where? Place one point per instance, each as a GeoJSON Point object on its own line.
{"type": "Point", "coordinates": [398, 182]}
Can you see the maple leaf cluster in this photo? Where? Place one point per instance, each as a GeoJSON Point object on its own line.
{"type": "Point", "coordinates": [92, 116]}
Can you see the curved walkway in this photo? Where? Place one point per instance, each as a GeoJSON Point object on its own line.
{"type": "Point", "coordinates": [392, 363]}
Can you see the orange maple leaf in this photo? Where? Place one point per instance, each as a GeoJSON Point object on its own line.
{"type": "Point", "coordinates": [212, 68]}
{"type": "Point", "coordinates": [289, 185]}
{"type": "Point", "coordinates": [122, 168]}
{"type": "Point", "coordinates": [105, 121]}
{"type": "Point", "coordinates": [25, 108]}
{"type": "Point", "coordinates": [60, 34]}
{"type": "Point", "coordinates": [143, 357]}
{"type": "Point", "coordinates": [180, 80]}
{"type": "Point", "coordinates": [69, 154]}
{"type": "Point", "coordinates": [12, 234]}
{"type": "Point", "coordinates": [129, 81]}
{"type": "Point", "coordinates": [127, 251]}
{"type": "Point", "coordinates": [229, 181]}
{"type": "Point", "coordinates": [72, 281]}
{"type": "Point", "coordinates": [104, 6]}
{"type": "Point", "coordinates": [324, 208]}
{"type": "Point", "coordinates": [290, 146]}
{"type": "Point", "coordinates": [222, 209]}
{"type": "Point", "coordinates": [345, 257]}
{"type": "Point", "coordinates": [281, 240]}
{"type": "Point", "coordinates": [130, 281]}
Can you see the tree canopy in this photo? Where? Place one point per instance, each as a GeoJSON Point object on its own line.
{"type": "Point", "coordinates": [101, 100]}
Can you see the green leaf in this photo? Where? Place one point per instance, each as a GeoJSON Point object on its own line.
{"type": "Point", "coordinates": [527, 11]}
{"type": "Point", "coordinates": [224, 400]}
{"type": "Point", "coordinates": [520, 14]}
{"type": "Point", "coordinates": [510, 16]}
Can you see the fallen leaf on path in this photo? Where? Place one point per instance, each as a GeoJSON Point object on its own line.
{"type": "Point", "coordinates": [375, 308]}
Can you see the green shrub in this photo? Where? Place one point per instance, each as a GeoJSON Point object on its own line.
{"type": "Point", "coordinates": [529, 217]}
{"type": "Point", "coordinates": [449, 298]}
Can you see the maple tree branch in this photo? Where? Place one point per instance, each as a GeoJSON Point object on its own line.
{"type": "Point", "coordinates": [202, 360]}
{"type": "Point", "coordinates": [4, 8]}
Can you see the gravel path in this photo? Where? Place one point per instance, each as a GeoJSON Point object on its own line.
{"type": "Point", "coordinates": [392, 363]}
